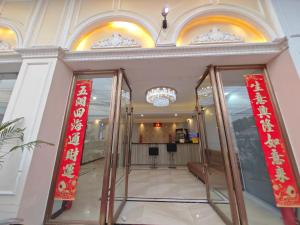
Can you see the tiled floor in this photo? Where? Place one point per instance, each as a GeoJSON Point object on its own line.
{"type": "Point", "coordinates": [169, 196]}
{"type": "Point", "coordinates": [87, 202]}
{"type": "Point", "coordinates": [165, 183]}
{"type": "Point", "coordinates": [161, 213]}
{"type": "Point", "coordinates": [159, 197]}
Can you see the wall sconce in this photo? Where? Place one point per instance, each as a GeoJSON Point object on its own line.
{"type": "Point", "coordinates": [164, 13]}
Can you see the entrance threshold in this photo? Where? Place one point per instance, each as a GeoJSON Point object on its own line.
{"type": "Point", "coordinates": [170, 200]}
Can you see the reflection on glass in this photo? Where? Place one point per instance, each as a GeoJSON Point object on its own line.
{"type": "Point", "coordinates": [7, 82]}
{"type": "Point", "coordinates": [257, 190]}
{"type": "Point", "coordinates": [122, 147]}
{"type": "Point", "coordinates": [218, 189]}
{"type": "Point", "coordinates": [86, 206]}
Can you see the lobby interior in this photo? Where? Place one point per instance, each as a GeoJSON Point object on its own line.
{"type": "Point", "coordinates": [170, 188]}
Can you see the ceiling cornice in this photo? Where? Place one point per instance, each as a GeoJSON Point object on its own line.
{"type": "Point", "coordinates": [41, 52]}
{"type": "Point", "coordinates": [275, 47]}
{"type": "Point", "coordinates": [10, 57]}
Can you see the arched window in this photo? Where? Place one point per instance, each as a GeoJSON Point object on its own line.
{"type": "Point", "coordinates": [114, 34]}
{"type": "Point", "coordinates": [219, 29]}
{"type": "Point", "coordinates": [8, 39]}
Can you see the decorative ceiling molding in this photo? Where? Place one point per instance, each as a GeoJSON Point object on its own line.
{"type": "Point", "coordinates": [215, 35]}
{"type": "Point", "coordinates": [41, 52]}
{"type": "Point", "coordinates": [268, 48]}
{"type": "Point", "coordinates": [4, 46]}
{"type": "Point", "coordinates": [115, 41]}
{"type": "Point", "coordinates": [7, 57]}
{"type": "Point", "coordinates": [184, 51]}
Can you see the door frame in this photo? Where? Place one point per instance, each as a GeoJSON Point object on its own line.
{"type": "Point", "coordinates": [224, 150]}
{"type": "Point", "coordinates": [226, 137]}
{"type": "Point", "coordinates": [111, 216]}
{"type": "Point", "coordinates": [116, 90]}
{"type": "Point", "coordinates": [238, 183]}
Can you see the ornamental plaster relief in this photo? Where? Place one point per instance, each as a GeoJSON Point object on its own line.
{"type": "Point", "coordinates": [216, 35]}
{"type": "Point", "coordinates": [115, 41]}
{"type": "Point", "coordinates": [4, 46]}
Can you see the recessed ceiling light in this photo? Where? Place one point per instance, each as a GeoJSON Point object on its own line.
{"type": "Point", "coordinates": [175, 114]}
{"type": "Point", "coordinates": [142, 115]}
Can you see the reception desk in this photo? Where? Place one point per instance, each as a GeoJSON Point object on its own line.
{"type": "Point", "coordinates": [187, 152]}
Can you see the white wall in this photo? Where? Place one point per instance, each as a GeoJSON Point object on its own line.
{"type": "Point", "coordinates": [288, 14]}
{"type": "Point", "coordinates": [36, 190]}
{"type": "Point", "coordinates": [286, 84]}
{"type": "Point", "coordinates": [40, 96]}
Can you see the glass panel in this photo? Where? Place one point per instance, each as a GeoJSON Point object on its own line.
{"type": "Point", "coordinates": [86, 206]}
{"type": "Point", "coordinates": [7, 82]}
{"type": "Point", "coordinates": [257, 190]}
{"type": "Point", "coordinates": [120, 188]}
{"type": "Point", "coordinates": [218, 189]}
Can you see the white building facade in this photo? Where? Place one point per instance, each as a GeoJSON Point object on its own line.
{"type": "Point", "coordinates": [43, 42]}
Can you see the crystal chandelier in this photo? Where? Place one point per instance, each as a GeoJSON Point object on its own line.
{"type": "Point", "coordinates": [205, 91]}
{"type": "Point", "coordinates": [161, 96]}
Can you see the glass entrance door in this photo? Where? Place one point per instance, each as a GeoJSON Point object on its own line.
{"type": "Point", "coordinates": [252, 181]}
{"type": "Point", "coordinates": [238, 183]}
{"type": "Point", "coordinates": [218, 174]}
{"type": "Point", "coordinates": [91, 175]}
{"type": "Point", "coordinates": [121, 150]}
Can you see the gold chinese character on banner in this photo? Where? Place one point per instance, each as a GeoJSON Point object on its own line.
{"type": "Point", "coordinates": [76, 124]}
{"type": "Point", "coordinates": [78, 113]}
{"type": "Point", "coordinates": [266, 125]}
{"type": "Point", "coordinates": [69, 170]}
{"type": "Point", "coordinates": [72, 154]}
{"type": "Point", "coordinates": [263, 111]}
{"type": "Point", "coordinates": [74, 139]}
{"type": "Point", "coordinates": [272, 143]}
{"type": "Point", "coordinates": [82, 91]}
{"type": "Point", "coordinates": [256, 86]}
{"type": "Point", "coordinates": [260, 100]}
{"type": "Point", "coordinates": [80, 101]}
{"type": "Point", "coordinates": [275, 156]}
{"type": "Point", "coordinates": [281, 175]}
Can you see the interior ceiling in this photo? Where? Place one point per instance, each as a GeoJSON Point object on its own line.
{"type": "Point", "coordinates": [179, 73]}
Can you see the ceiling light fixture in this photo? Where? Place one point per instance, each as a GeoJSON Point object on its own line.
{"type": "Point", "coordinates": [161, 96]}
{"type": "Point", "coordinates": [205, 91]}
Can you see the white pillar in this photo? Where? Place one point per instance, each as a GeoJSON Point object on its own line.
{"type": "Point", "coordinates": [286, 83]}
{"type": "Point", "coordinates": [40, 96]}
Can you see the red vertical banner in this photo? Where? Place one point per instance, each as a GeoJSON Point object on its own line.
{"type": "Point", "coordinates": [66, 183]}
{"type": "Point", "coordinates": [278, 164]}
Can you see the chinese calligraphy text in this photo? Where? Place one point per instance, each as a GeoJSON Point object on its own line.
{"type": "Point", "coordinates": [66, 183]}
{"type": "Point", "coordinates": [283, 181]}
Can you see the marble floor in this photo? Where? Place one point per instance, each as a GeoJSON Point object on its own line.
{"type": "Point", "coordinates": [87, 202]}
{"type": "Point", "coordinates": [160, 196]}
{"type": "Point", "coordinates": [158, 183]}
{"type": "Point", "coordinates": [260, 213]}
{"type": "Point", "coordinates": [166, 196]}
{"type": "Point", "coordinates": [166, 213]}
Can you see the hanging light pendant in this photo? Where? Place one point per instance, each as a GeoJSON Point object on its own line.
{"type": "Point", "coordinates": [161, 96]}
